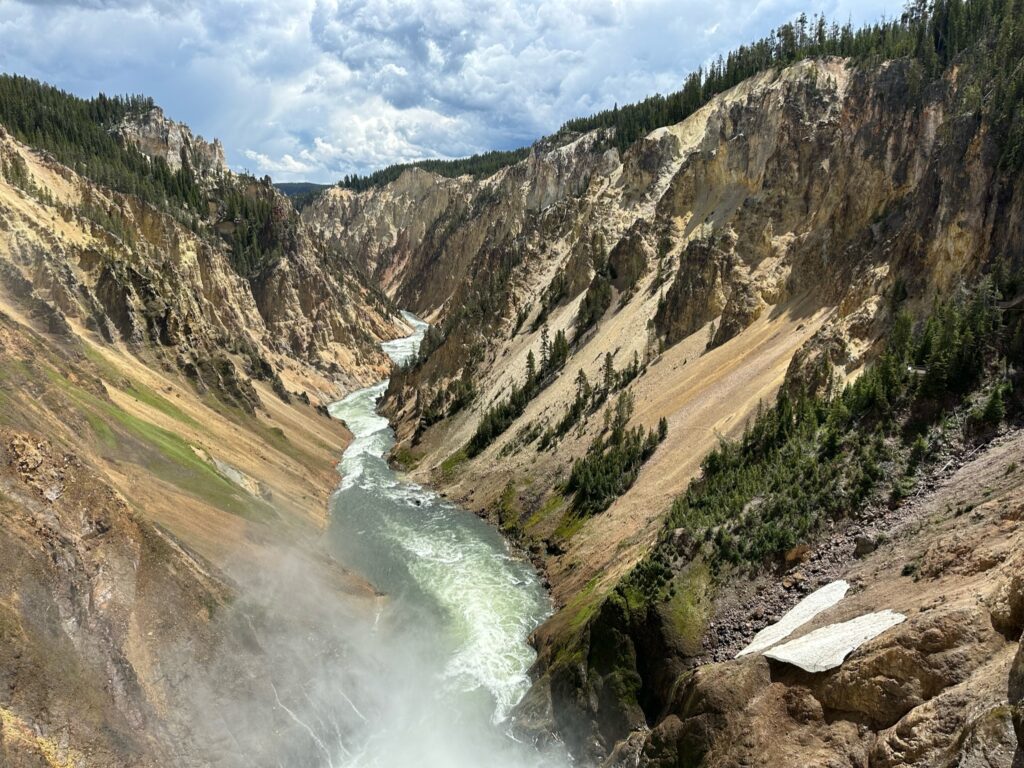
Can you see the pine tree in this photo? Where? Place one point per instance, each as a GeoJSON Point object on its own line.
{"type": "Point", "coordinates": [582, 386]}
{"type": "Point", "coordinates": [995, 409]}
{"type": "Point", "coordinates": [608, 374]}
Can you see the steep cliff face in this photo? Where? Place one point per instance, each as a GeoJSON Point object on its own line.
{"type": "Point", "coordinates": [84, 596]}
{"type": "Point", "coordinates": [145, 530]}
{"type": "Point", "coordinates": [133, 274]}
{"type": "Point", "coordinates": [156, 135]}
{"type": "Point", "coordinates": [317, 305]}
{"type": "Point", "coordinates": [766, 240]}
{"type": "Point", "coordinates": [164, 468]}
{"type": "Point", "coordinates": [426, 238]}
{"type": "Point", "coordinates": [786, 213]}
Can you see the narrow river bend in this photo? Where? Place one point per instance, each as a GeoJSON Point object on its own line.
{"type": "Point", "coordinates": [449, 643]}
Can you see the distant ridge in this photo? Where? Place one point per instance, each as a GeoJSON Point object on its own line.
{"type": "Point", "coordinates": [301, 193]}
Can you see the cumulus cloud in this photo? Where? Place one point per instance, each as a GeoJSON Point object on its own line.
{"type": "Point", "coordinates": [315, 89]}
{"type": "Point", "coordinates": [285, 165]}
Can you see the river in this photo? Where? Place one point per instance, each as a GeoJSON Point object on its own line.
{"type": "Point", "coordinates": [448, 646]}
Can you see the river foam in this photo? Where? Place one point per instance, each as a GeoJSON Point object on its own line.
{"type": "Point", "coordinates": [450, 642]}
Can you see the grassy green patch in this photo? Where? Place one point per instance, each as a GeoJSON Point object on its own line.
{"type": "Point", "coordinates": [183, 468]}
{"type": "Point", "coordinates": [450, 465]}
{"type": "Point", "coordinates": [169, 457]}
{"type": "Point", "coordinates": [570, 525]}
{"type": "Point", "coordinates": [15, 375]}
{"type": "Point", "coordinates": [13, 372]}
{"type": "Point", "coordinates": [688, 606]}
{"type": "Point", "coordinates": [139, 391]}
{"type": "Point", "coordinates": [570, 654]}
{"type": "Point", "coordinates": [144, 394]}
{"type": "Point", "coordinates": [551, 506]}
{"type": "Point", "coordinates": [584, 605]}
{"type": "Point", "coordinates": [406, 457]}
{"type": "Point", "coordinates": [100, 428]}
{"type": "Point", "coordinates": [104, 367]}
{"type": "Point", "coordinates": [509, 511]}
{"type": "Point", "coordinates": [272, 435]}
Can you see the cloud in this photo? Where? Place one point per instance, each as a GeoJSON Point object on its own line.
{"type": "Point", "coordinates": [164, 6]}
{"type": "Point", "coordinates": [315, 89]}
{"type": "Point", "coordinates": [286, 164]}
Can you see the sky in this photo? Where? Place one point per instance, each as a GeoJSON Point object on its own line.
{"type": "Point", "coordinates": [312, 90]}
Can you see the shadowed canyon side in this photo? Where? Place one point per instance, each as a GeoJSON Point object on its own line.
{"type": "Point", "coordinates": [600, 311]}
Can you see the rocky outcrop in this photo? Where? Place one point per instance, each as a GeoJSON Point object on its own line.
{"type": "Point", "coordinates": [131, 273]}
{"type": "Point", "coordinates": [156, 135]}
{"type": "Point", "coordinates": [83, 595]}
{"type": "Point", "coordinates": [912, 707]}
{"type": "Point", "coordinates": [629, 259]}
{"type": "Point", "coordinates": [697, 295]}
{"type": "Point", "coordinates": [928, 692]}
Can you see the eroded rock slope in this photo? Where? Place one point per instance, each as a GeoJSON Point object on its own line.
{"type": "Point", "coordinates": [767, 241]}
{"type": "Point", "coordinates": [164, 466]}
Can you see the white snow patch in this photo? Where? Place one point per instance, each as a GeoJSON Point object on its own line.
{"type": "Point", "coordinates": [827, 648]}
{"type": "Point", "coordinates": [816, 602]}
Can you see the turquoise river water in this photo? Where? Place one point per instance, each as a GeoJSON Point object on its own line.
{"type": "Point", "coordinates": [447, 655]}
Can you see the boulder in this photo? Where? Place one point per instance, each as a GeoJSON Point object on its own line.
{"type": "Point", "coordinates": [864, 545]}
{"type": "Point", "coordinates": [705, 701]}
{"type": "Point", "coordinates": [909, 665]}
{"type": "Point", "coordinates": [977, 724]}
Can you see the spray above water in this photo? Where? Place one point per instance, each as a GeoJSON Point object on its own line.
{"type": "Point", "coordinates": [447, 656]}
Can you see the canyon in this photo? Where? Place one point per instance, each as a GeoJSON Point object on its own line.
{"type": "Point", "coordinates": [764, 243]}
{"type": "Point", "coordinates": [166, 469]}
{"type": "Point", "coordinates": [172, 594]}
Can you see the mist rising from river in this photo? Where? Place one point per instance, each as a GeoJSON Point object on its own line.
{"type": "Point", "coordinates": [447, 655]}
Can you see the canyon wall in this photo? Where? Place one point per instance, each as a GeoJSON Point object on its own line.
{"type": "Point", "coordinates": [767, 241]}
{"type": "Point", "coordinates": [165, 466]}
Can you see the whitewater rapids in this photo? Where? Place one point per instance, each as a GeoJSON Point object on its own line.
{"type": "Point", "coordinates": [447, 657]}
